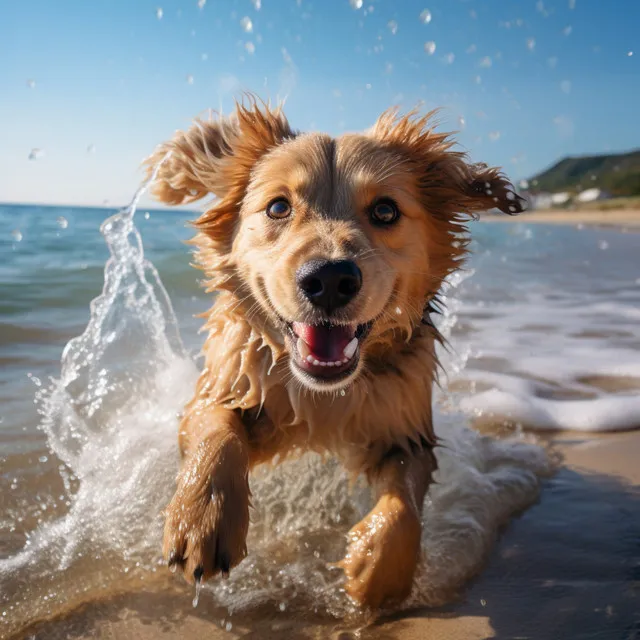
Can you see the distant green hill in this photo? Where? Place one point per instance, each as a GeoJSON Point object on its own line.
{"type": "Point", "coordinates": [619, 174]}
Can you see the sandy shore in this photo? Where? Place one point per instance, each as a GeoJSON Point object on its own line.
{"type": "Point", "coordinates": [624, 218]}
{"type": "Point", "coordinates": [569, 567]}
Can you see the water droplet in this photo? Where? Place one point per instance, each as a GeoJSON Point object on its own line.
{"type": "Point", "coordinates": [425, 16]}
{"type": "Point", "coordinates": [63, 223]}
{"type": "Point", "coordinates": [147, 215]}
{"type": "Point", "coordinates": [603, 245]}
{"type": "Point", "coordinates": [43, 459]}
{"type": "Point", "coordinates": [228, 626]}
{"type": "Point", "coordinates": [461, 121]}
{"type": "Point", "coordinates": [449, 58]}
{"type": "Point", "coordinates": [256, 4]}
{"type": "Point", "coordinates": [204, 57]}
{"type": "Point", "coordinates": [552, 62]}
{"type": "Point", "coordinates": [196, 598]}
{"type": "Point", "coordinates": [36, 154]}
{"type": "Point", "coordinates": [201, 4]}
{"type": "Point", "coordinates": [567, 30]}
{"type": "Point", "coordinates": [282, 606]}
{"type": "Point", "coordinates": [159, 13]}
{"type": "Point", "coordinates": [343, 392]}
{"type": "Point", "coordinates": [91, 148]}
{"type": "Point", "coordinates": [356, 4]}
{"type": "Point", "coordinates": [486, 62]}
{"type": "Point", "coordinates": [250, 47]}
{"type": "Point", "coordinates": [189, 79]}
{"type": "Point", "coordinates": [531, 44]}
{"type": "Point", "coordinates": [393, 27]}
{"type": "Point", "coordinates": [16, 234]}
{"type": "Point", "coordinates": [572, 4]}
{"type": "Point", "coordinates": [471, 48]}
{"type": "Point", "coordinates": [31, 84]}
{"type": "Point", "coordinates": [430, 47]}
{"type": "Point", "coordinates": [246, 24]}
{"type": "Point", "coordinates": [494, 136]}
{"type": "Point", "coordinates": [483, 603]}
{"type": "Point", "coordinates": [630, 53]}
{"type": "Point", "coordinates": [565, 86]}
{"type": "Point", "coordinates": [477, 79]}
{"type": "Point", "coordinates": [388, 68]}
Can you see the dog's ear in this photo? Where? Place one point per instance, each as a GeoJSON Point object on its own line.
{"type": "Point", "coordinates": [449, 184]}
{"type": "Point", "coordinates": [216, 156]}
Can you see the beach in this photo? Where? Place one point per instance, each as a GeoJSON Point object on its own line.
{"type": "Point", "coordinates": [619, 218]}
{"type": "Point", "coordinates": [530, 531]}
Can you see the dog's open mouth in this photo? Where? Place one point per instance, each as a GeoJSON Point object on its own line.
{"type": "Point", "coordinates": [327, 351]}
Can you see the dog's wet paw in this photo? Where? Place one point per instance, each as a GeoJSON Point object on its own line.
{"type": "Point", "coordinates": [382, 555]}
{"type": "Point", "coordinates": [206, 527]}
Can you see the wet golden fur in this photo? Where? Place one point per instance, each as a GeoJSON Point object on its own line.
{"type": "Point", "coordinates": [248, 406]}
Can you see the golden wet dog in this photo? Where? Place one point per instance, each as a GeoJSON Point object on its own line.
{"type": "Point", "coordinates": [327, 255]}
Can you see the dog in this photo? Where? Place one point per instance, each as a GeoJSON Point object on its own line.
{"type": "Point", "coordinates": [327, 256]}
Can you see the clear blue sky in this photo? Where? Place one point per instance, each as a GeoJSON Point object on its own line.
{"type": "Point", "coordinates": [532, 80]}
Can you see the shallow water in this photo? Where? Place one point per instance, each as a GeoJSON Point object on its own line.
{"type": "Point", "coordinates": [544, 333]}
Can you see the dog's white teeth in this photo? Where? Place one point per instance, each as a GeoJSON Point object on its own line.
{"type": "Point", "coordinates": [330, 364]}
{"type": "Point", "coordinates": [310, 359]}
{"type": "Point", "coordinates": [303, 349]}
{"type": "Point", "coordinates": [350, 349]}
{"type": "Point", "coordinates": [317, 363]}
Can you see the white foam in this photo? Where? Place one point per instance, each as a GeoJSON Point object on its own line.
{"type": "Point", "coordinates": [550, 348]}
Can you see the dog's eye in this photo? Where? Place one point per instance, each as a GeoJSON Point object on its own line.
{"type": "Point", "coordinates": [384, 212]}
{"type": "Point", "coordinates": [279, 209]}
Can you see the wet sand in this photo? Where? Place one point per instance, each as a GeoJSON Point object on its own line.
{"type": "Point", "coordinates": [619, 218]}
{"type": "Point", "coordinates": [569, 567]}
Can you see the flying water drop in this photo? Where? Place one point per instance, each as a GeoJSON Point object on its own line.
{"type": "Point", "coordinates": [356, 4]}
{"type": "Point", "coordinates": [196, 598]}
{"type": "Point", "coordinates": [246, 24]}
{"type": "Point", "coordinates": [425, 16]}
{"type": "Point", "coordinates": [393, 27]}
{"type": "Point", "coordinates": [63, 223]}
{"type": "Point", "coordinates": [36, 154]}
{"type": "Point", "coordinates": [159, 13]}
{"type": "Point", "coordinates": [250, 47]}
{"type": "Point", "coordinates": [531, 44]}
{"type": "Point", "coordinates": [430, 47]}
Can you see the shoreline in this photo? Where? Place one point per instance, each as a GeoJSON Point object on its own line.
{"type": "Point", "coordinates": [616, 218]}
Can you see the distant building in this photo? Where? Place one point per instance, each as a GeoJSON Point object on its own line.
{"type": "Point", "coordinates": [592, 195]}
{"type": "Point", "coordinates": [558, 199]}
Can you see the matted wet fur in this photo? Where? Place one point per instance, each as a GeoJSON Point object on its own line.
{"type": "Point", "coordinates": [327, 255]}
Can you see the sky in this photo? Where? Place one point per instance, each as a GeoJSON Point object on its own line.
{"type": "Point", "coordinates": [88, 88]}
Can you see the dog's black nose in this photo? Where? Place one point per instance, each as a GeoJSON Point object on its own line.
{"type": "Point", "coordinates": [329, 284]}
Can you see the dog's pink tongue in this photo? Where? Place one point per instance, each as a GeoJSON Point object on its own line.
{"type": "Point", "coordinates": [324, 342]}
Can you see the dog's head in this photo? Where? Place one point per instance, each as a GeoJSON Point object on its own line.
{"type": "Point", "coordinates": [336, 244]}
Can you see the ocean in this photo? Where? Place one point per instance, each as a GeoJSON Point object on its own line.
{"type": "Point", "coordinates": [99, 350]}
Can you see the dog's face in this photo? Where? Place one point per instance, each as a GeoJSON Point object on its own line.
{"type": "Point", "coordinates": [340, 243]}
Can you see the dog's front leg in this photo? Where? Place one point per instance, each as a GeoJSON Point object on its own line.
{"type": "Point", "coordinates": [207, 519]}
{"type": "Point", "coordinates": [384, 547]}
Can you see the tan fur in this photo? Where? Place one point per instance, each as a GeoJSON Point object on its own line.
{"type": "Point", "coordinates": [248, 407]}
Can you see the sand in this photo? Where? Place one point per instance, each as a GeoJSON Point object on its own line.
{"type": "Point", "coordinates": [569, 567]}
{"type": "Point", "coordinates": [619, 218]}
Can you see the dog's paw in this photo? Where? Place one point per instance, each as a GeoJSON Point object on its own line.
{"type": "Point", "coordinates": [382, 555]}
{"type": "Point", "coordinates": [206, 526]}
